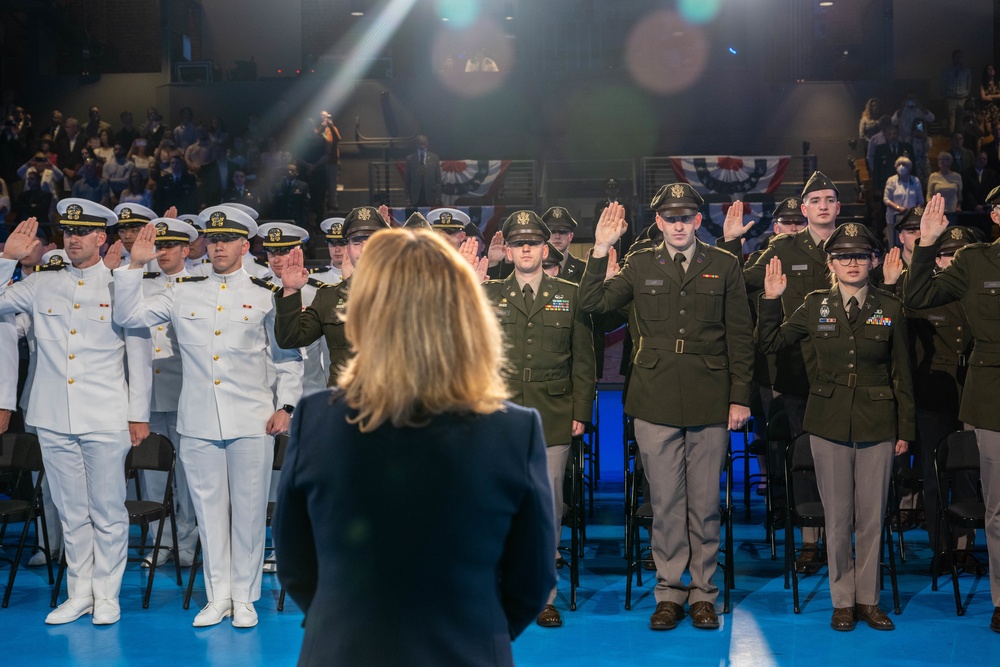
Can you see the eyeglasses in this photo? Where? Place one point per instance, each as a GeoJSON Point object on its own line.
{"type": "Point", "coordinates": [847, 260]}
{"type": "Point", "coordinates": [534, 243]}
{"type": "Point", "coordinates": [279, 251]}
{"type": "Point", "coordinates": [224, 237]}
{"type": "Point", "coordinates": [68, 230]}
{"type": "Point", "coordinates": [336, 242]}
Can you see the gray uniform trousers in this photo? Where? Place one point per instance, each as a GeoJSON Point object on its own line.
{"type": "Point", "coordinates": [556, 457]}
{"type": "Point", "coordinates": [853, 480]}
{"type": "Point", "coordinates": [989, 471]}
{"type": "Point", "coordinates": [683, 466]}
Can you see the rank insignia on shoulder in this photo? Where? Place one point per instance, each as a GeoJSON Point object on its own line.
{"type": "Point", "coordinates": [49, 267]}
{"type": "Point", "coordinates": [190, 279]}
{"type": "Point", "coordinates": [266, 284]}
{"type": "Point", "coordinates": [318, 269]}
{"type": "Point", "coordinates": [317, 283]}
{"type": "Point", "coordinates": [150, 274]}
{"type": "Point", "coordinates": [262, 262]}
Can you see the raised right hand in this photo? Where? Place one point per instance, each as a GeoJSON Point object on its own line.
{"type": "Point", "coordinates": [733, 227]}
{"type": "Point", "coordinates": [294, 275]}
{"type": "Point", "coordinates": [613, 267]}
{"type": "Point", "coordinates": [144, 248]}
{"type": "Point", "coordinates": [22, 240]}
{"type": "Point", "coordinates": [933, 222]}
{"type": "Point", "coordinates": [774, 280]}
{"type": "Point", "coordinates": [496, 252]}
{"type": "Point", "coordinates": [610, 227]}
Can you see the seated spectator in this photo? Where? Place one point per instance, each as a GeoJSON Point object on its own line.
{"type": "Point", "coordinates": [989, 95]}
{"type": "Point", "coordinates": [909, 112]}
{"type": "Point", "coordinates": [977, 182]}
{"type": "Point", "coordinates": [185, 133]}
{"type": "Point", "coordinates": [33, 202]}
{"type": "Point", "coordinates": [868, 126]}
{"type": "Point", "coordinates": [140, 157]}
{"type": "Point", "coordinates": [117, 170]}
{"type": "Point", "coordinates": [136, 191]}
{"type": "Point", "coordinates": [947, 182]}
{"type": "Point", "coordinates": [128, 132]}
{"type": "Point", "coordinates": [91, 185]}
{"type": "Point", "coordinates": [902, 192]}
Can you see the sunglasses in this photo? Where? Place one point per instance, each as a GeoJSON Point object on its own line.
{"type": "Point", "coordinates": [69, 230]}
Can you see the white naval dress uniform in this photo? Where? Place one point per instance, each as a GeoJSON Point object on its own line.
{"type": "Point", "coordinates": [80, 403]}
{"type": "Point", "coordinates": [203, 267]}
{"type": "Point", "coordinates": [165, 396]}
{"type": "Point", "coordinates": [8, 362]}
{"type": "Point", "coordinates": [330, 275]}
{"type": "Point", "coordinates": [225, 331]}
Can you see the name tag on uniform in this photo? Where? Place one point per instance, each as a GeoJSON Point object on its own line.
{"type": "Point", "coordinates": [654, 282]}
{"type": "Point", "coordinates": [826, 327]}
{"type": "Point", "coordinates": [799, 267]}
{"type": "Point", "coordinates": [936, 318]}
{"type": "Point", "coordinates": [991, 284]}
{"type": "Point", "coordinates": [503, 312]}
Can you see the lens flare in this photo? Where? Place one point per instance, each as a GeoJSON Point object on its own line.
{"type": "Point", "coordinates": [666, 54]}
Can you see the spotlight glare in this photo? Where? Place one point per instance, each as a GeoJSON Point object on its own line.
{"type": "Point", "coordinates": [732, 50]}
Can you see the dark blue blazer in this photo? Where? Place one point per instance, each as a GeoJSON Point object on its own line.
{"type": "Point", "coordinates": [414, 546]}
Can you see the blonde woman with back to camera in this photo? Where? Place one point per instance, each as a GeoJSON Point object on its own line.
{"type": "Point", "coordinates": [416, 447]}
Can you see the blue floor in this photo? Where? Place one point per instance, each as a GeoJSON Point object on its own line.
{"type": "Point", "coordinates": [761, 631]}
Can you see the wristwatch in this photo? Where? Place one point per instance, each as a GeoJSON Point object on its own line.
{"type": "Point", "coordinates": [288, 408]}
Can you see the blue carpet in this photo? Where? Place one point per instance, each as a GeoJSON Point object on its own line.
{"type": "Point", "coordinates": [761, 631]}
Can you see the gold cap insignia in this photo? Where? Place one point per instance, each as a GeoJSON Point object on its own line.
{"type": "Point", "coordinates": [446, 218]}
{"type": "Point", "coordinates": [956, 234]}
{"type": "Point", "coordinates": [55, 260]}
{"type": "Point", "coordinates": [74, 211]}
{"type": "Point", "coordinates": [794, 203]}
{"type": "Point", "coordinates": [364, 214]}
{"type": "Point", "coordinates": [218, 219]}
{"type": "Point", "coordinates": [557, 213]}
{"type": "Point", "coordinates": [161, 229]}
{"type": "Point", "coordinates": [274, 234]}
{"type": "Point", "coordinates": [677, 190]}
{"type": "Point", "coordinates": [337, 228]}
{"type": "Point", "coordinates": [851, 229]}
{"type": "Point", "coordinates": [125, 214]}
{"type": "Point", "coordinates": [523, 218]}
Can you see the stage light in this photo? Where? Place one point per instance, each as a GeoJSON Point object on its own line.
{"type": "Point", "coordinates": [698, 11]}
{"type": "Point", "coordinates": [732, 50]}
{"type": "Point", "coordinates": [827, 3]}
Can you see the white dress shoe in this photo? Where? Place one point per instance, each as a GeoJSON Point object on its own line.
{"type": "Point", "coordinates": [213, 613]}
{"type": "Point", "coordinates": [38, 559]}
{"type": "Point", "coordinates": [244, 615]}
{"type": "Point", "coordinates": [163, 556]}
{"type": "Point", "coordinates": [270, 566]}
{"type": "Point", "coordinates": [106, 611]}
{"type": "Point", "coordinates": [70, 610]}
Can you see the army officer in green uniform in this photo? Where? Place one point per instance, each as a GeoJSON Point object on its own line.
{"type": "Point", "coordinates": [690, 384]}
{"type": "Point", "coordinates": [972, 278]}
{"type": "Point", "coordinates": [550, 352]}
{"type": "Point", "coordinates": [860, 409]}
{"type": "Point", "coordinates": [295, 326]}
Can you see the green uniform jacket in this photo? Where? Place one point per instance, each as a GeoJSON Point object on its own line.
{"type": "Point", "coordinates": [804, 264]}
{"type": "Point", "coordinates": [860, 382]}
{"type": "Point", "coordinates": [973, 278]}
{"type": "Point", "coordinates": [295, 326]}
{"type": "Point", "coordinates": [573, 269]}
{"type": "Point", "coordinates": [550, 353]}
{"type": "Point", "coordinates": [695, 344]}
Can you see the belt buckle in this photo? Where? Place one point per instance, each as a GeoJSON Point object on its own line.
{"type": "Point", "coordinates": [526, 375]}
{"type": "Point", "coordinates": [852, 379]}
{"type": "Point", "coordinates": [679, 346]}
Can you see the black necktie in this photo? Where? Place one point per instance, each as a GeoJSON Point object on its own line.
{"type": "Point", "coordinates": [529, 296]}
{"type": "Point", "coordinates": [853, 310]}
{"type": "Point", "coordinates": [679, 265]}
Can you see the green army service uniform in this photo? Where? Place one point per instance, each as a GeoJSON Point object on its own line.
{"type": "Point", "coordinates": [860, 403]}
{"type": "Point", "coordinates": [550, 353]}
{"type": "Point", "coordinates": [295, 326]}
{"type": "Point", "coordinates": [973, 279]}
{"type": "Point", "coordinates": [693, 359]}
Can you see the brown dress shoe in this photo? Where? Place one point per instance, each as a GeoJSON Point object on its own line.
{"type": "Point", "coordinates": [995, 622]}
{"type": "Point", "coordinates": [874, 617]}
{"type": "Point", "coordinates": [549, 618]}
{"type": "Point", "coordinates": [703, 615]}
{"type": "Point", "coordinates": [808, 561]}
{"type": "Point", "coordinates": [843, 619]}
{"type": "Point", "coordinates": [666, 616]}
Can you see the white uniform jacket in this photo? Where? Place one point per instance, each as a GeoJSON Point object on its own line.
{"type": "Point", "coordinates": [225, 330]}
{"type": "Point", "coordinates": [80, 368]}
{"type": "Point", "coordinates": [166, 353]}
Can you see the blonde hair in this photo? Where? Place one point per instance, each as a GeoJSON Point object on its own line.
{"type": "Point", "coordinates": [426, 339]}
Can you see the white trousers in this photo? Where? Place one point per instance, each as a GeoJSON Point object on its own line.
{"type": "Point", "coordinates": [154, 485]}
{"type": "Point", "coordinates": [52, 527]}
{"type": "Point", "coordinates": [87, 478]}
{"type": "Point", "coordinates": [228, 481]}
